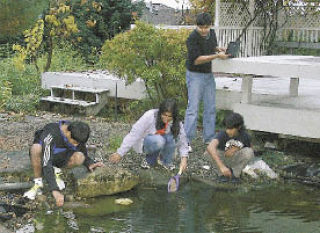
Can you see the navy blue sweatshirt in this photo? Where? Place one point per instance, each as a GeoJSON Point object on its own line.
{"type": "Point", "coordinates": [57, 151]}
{"type": "Point", "coordinates": [199, 46]}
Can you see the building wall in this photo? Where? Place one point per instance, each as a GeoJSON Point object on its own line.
{"type": "Point", "coordinates": [161, 14]}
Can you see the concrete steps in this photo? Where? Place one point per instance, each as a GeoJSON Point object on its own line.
{"type": "Point", "coordinates": [92, 100]}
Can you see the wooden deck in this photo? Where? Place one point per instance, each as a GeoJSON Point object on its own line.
{"type": "Point", "coordinates": [276, 94]}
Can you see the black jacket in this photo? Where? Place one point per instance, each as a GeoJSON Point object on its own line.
{"type": "Point", "coordinates": [199, 46]}
{"type": "Point", "coordinates": [57, 151]}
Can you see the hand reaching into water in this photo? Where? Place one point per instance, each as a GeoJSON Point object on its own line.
{"type": "Point", "coordinates": [58, 197]}
{"type": "Point", "coordinates": [95, 165]}
{"type": "Point", "coordinates": [226, 171]}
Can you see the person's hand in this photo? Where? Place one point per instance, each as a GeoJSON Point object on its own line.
{"type": "Point", "coordinates": [183, 163]}
{"type": "Point", "coordinates": [115, 158]}
{"type": "Point", "coordinates": [230, 151]}
{"type": "Point", "coordinates": [226, 171]}
{"type": "Point", "coordinates": [95, 165]}
{"type": "Point", "coordinates": [58, 197]}
{"type": "Point", "coordinates": [223, 56]}
{"type": "Point", "coordinates": [221, 50]}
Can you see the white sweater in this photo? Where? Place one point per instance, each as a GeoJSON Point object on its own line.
{"type": "Point", "coordinates": [147, 125]}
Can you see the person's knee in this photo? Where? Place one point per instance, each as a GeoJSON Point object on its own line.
{"type": "Point", "coordinates": [155, 141]}
{"type": "Point", "coordinates": [76, 159]}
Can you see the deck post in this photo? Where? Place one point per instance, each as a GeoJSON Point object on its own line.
{"type": "Point", "coordinates": [294, 86]}
{"type": "Point", "coordinates": [246, 89]}
{"type": "Point", "coordinates": [217, 14]}
{"type": "Point", "coordinates": [216, 20]}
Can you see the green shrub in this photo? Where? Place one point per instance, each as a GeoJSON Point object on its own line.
{"type": "Point", "coordinates": [114, 142]}
{"type": "Point", "coordinates": [20, 90]}
{"type": "Point", "coordinates": [155, 55]}
{"type": "Point", "coordinates": [65, 58]}
{"type": "Point", "coordinates": [26, 103]}
{"type": "Point", "coordinates": [5, 93]}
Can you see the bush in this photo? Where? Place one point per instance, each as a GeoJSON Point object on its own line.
{"type": "Point", "coordinates": [20, 90]}
{"type": "Point", "coordinates": [26, 103]}
{"type": "Point", "coordinates": [155, 55]}
{"type": "Point", "coordinates": [5, 93]}
{"type": "Point", "coordinates": [65, 58]}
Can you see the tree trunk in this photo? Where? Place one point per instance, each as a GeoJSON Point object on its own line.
{"type": "Point", "coordinates": [49, 58]}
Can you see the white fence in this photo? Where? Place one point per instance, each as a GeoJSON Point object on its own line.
{"type": "Point", "coordinates": [251, 40]}
{"type": "Point", "coordinates": [311, 35]}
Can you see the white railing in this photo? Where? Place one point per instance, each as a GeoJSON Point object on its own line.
{"type": "Point", "coordinates": [251, 41]}
{"type": "Point", "coordinates": [311, 35]}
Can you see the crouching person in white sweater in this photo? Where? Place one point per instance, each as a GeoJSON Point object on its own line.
{"type": "Point", "coordinates": [157, 134]}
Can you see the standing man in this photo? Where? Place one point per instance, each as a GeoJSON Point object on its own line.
{"type": "Point", "coordinates": [202, 48]}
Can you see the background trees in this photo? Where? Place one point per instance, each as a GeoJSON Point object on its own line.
{"type": "Point", "coordinates": [99, 20]}
{"type": "Point", "coordinates": [17, 16]}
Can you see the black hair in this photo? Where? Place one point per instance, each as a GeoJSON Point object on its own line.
{"type": "Point", "coordinates": [234, 120]}
{"type": "Point", "coordinates": [169, 105]}
{"type": "Point", "coordinates": [203, 19]}
{"type": "Point", "coordinates": [80, 131]}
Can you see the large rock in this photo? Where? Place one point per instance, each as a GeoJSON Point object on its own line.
{"type": "Point", "coordinates": [104, 181]}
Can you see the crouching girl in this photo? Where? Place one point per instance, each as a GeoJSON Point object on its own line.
{"type": "Point", "coordinates": [157, 133]}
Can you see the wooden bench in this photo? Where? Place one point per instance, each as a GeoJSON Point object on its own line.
{"type": "Point", "coordinates": [93, 99]}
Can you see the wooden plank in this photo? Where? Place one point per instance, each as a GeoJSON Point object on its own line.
{"type": "Point", "coordinates": [304, 67]}
{"type": "Point", "coordinates": [68, 101]}
{"type": "Point", "coordinates": [81, 89]}
{"type": "Point", "coordinates": [294, 87]}
{"type": "Point", "coordinates": [246, 89]}
{"type": "Point", "coordinates": [280, 119]}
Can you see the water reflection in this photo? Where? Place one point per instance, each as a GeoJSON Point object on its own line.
{"type": "Point", "coordinates": [200, 208]}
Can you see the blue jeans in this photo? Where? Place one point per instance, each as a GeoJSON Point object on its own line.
{"type": "Point", "coordinates": [159, 145]}
{"type": "Point", "coordinates": [201, 86]}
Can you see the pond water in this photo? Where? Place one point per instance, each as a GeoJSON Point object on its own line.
{"type": "Point", "coordinates": [197, 208]}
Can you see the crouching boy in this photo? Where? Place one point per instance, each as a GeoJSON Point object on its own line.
{"type": "Point", "coordinates": [231, 148]}
{"type": "Point", "coordinates": [55, 146]}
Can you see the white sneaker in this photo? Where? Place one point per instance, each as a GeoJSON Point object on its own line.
{"type": "Point", "coordinates": [60, 182]}
{"type": "Point", "coordinates": [33, 192]}
{"type": "Point", "coordinates": [263, 168]}
{"type": "Point", "coordinates": [250, 171]}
